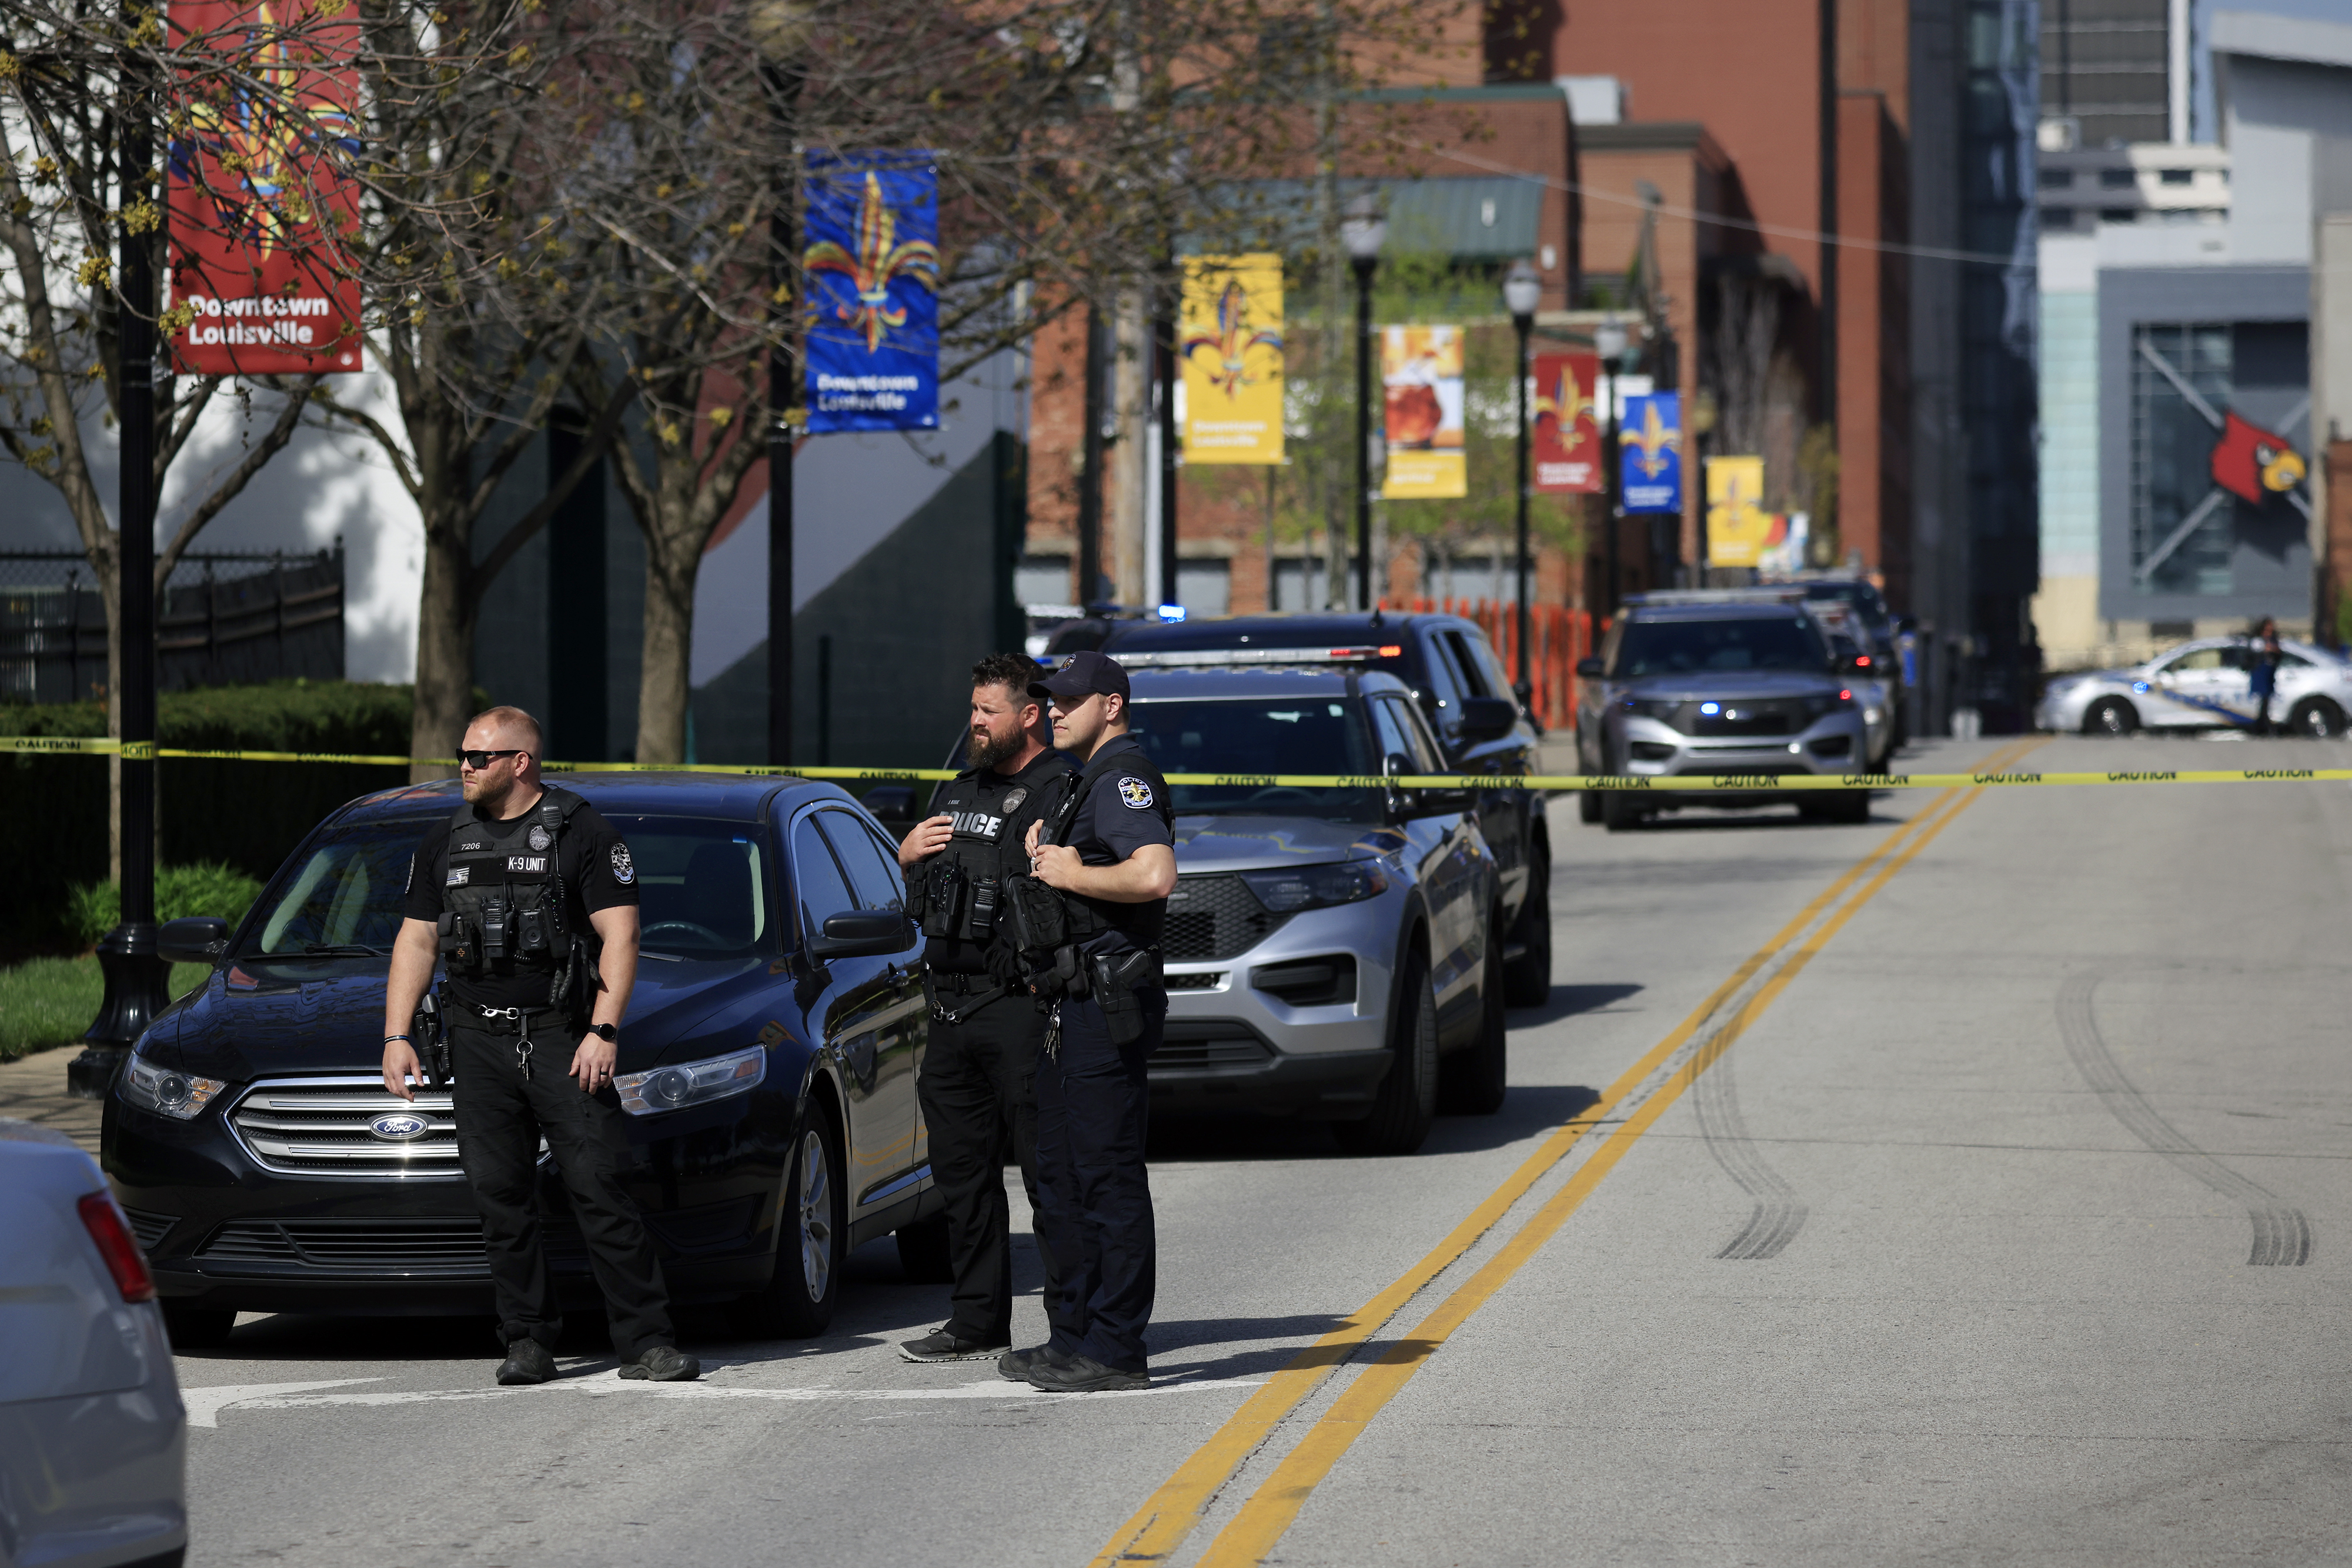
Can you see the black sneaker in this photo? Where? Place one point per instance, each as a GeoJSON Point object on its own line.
{"type": "Point", "coordinates": [663, 1363]}
{"type": "Point", "coordinates": [944, 1345]}
{"type": "Point", "coordinates": [1014, 1365]}
{"type": "Point", "coordinates": [1082, 1375]}
{"type": "Point", "coordinates": [527, 1361]}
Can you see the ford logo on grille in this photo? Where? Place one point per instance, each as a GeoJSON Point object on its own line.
{"type": "Point", "coordinates": [399, 1126]}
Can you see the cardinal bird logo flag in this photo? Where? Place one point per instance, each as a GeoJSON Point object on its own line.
{"type": "Point", "coordinates": [2253, 464]}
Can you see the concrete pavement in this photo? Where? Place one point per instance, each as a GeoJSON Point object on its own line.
{"type": "Point", "coordinates": [1983, 1203]}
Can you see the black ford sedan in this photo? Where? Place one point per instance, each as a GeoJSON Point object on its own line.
{"type": "Point", "coordinates": [767, 1064]}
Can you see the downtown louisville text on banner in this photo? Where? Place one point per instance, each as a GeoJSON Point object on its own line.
{"type": "Point", "coordinates": [1421, 381]}
{"type": "Point", "coordinates": [259, 280]}
{"type": "Point", "coordinates": [1567, 426]}
{"type": "Point", "coordinates": [1737, 527]}
{"type": "Point", "coordinates": [1651, 445]}
{"type": "Point", "coordinates": [873, 267]}
{"type": "Point", "coordinates": [1231, 349]}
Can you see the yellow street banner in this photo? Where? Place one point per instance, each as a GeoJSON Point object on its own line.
{"type": "Point", "coordinates": [1605, 783]}
{"type": "Point", "coordinates": [1737, 527]}
{"type": "Point", "coordinates": [1231, 349]}
{"type": "Point", "coordinates": [1421, 394]}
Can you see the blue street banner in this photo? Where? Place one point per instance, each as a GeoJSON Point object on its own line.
{"type": "Point", "coordinates": [1650, 447]}
{"type": "Point", "coordinates": [873, 267]}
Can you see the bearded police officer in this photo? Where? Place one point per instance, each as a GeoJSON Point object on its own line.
{"type": "Point", "coordinates": [530, 898]}
{"type": "Point", "coordinates": [1088, 924]}
{"type": "Point", "coordinates": [978, 1085]}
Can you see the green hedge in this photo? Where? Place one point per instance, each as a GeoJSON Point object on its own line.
{"type": "Point", "coordinates": [243, 816]}
{"type": "Point", "coordinates": [95, 908]}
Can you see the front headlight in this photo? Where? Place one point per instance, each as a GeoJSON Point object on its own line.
{"type": "Point", "coordinates": [1317, 886]}
{"type": "Point", "coordinates": [691, 1082]}
{"type": "Point", "coordinates": [179, 1095]}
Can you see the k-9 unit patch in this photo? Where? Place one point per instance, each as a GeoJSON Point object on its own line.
{"type": "Point", "coordinates": [1136, 793]}
{"type": "Point", "coordinates": [625, 871]}
{"type": "Point", "coordinates": [532, 864]}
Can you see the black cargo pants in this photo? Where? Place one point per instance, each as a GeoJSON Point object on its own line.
{"type": "Point", "coordinates": [502, 1116]}
{"type": "Point", "coordinates": [1093, 1192]}
{"type": "Point", "coordinates": [979, 1095]}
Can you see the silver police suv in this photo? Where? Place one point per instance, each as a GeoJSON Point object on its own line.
{"type": "Point", "coordinates": [1701, 685]}
{"type": "Point", "coordinates": [1330, 953]}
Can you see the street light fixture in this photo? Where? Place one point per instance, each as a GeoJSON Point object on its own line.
{"type": "Point", "coordinates": [1522, 292]}
{"type": "Point", "coordinates": [1609, 340]}
{"type": "Point", "coordinates": [1364, 228]}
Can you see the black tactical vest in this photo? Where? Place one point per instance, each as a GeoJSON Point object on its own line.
{"type": "Point", "coordinates": [958, 894]}
{"type": "Point", "coordinates": [502, 896]}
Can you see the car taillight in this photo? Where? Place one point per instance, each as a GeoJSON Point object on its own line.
{"type": "Point", "coordinates": [1846, 696]}
{"type": "Point", "coordinates": [1391, 650]}
{"type": "Point", "coordinates": [107, 1228]}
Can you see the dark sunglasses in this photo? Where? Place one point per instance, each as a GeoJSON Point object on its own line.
{"type": "Point", "coordinates": [478, 760]}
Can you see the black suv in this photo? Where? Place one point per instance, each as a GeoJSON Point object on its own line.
{"type": "Point", "coordinates": [1464, 691]}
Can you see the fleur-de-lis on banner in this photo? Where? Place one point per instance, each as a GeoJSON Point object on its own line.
{"type": "Point", "coordinates": [877, 261]}
{"type": "Point", "coordinates": [1567, 403]}
{"type": "Point", "coordinates": [1653, 440]}
{"type": "Point", "coordinates": [261, 143]}
{"type": "Point", "coordinates": [1229, 345]}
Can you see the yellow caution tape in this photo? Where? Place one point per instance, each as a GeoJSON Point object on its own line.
{"type": "Point", "coordinates": [1640, 784]}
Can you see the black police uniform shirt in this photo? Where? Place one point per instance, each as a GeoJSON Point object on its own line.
{"type": "Point", "coordinates": [1007, 804]}
{"type": "Point", "coordinates": [597, 874]}
{"type": "Point", "coordinates": [1125, 810]}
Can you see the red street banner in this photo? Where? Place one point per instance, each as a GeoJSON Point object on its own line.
{"type": "Point", "coordinates": [268, 95]}
{"type": "Point", "coordinates": [1567, 432]}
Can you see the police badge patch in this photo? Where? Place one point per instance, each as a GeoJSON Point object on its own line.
{"type": "Point", "coordinates": [540, 837]}
{"type": "Point", "coordinates": [1012, 799]}
{"type": "Point", "coordinates": [1136, 793]}
{"type": "Point", "coordinates": [625, 871]}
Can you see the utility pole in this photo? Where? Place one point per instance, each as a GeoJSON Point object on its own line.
{"type": "Point", "coordinates": [783, 74]}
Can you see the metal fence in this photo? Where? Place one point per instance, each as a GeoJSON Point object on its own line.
{"type": "Point", "coordinates": [227, 618]}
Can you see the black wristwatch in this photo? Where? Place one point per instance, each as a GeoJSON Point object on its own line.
{"type": "Point", "coordinates": [605, 1032]}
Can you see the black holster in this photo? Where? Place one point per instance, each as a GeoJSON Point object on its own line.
{"type": "Point", "coordinates": [1116, 978]}
{"type": "Point", "coordinates": [429, 1033]}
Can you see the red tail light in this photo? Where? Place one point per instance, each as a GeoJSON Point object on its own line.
{"type": "Point", "coordinates": [1391, 650]}
{"type": "Point", "coordinates": [1845, 696]}
{"type": "Point", "coordinates": [107, 1228]}
{"type": "Point", "coordinates": [1862, 661]}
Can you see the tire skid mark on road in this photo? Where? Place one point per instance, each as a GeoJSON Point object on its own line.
{"type": "Point", "coordinates": [2281, 1231]}
{"type": "Point", "coordinates": [1779, 1213]}
{"type": "Point", "coordinates": [1155, 1531]}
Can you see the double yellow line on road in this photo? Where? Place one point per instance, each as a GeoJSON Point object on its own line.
{"type": "Point", "coordinates": [1158, 1528]}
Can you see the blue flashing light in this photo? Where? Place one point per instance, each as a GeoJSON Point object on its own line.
{"type": "Point", "coordinates": [1172, 612]}
{"type": "Point", "coordinates": [1710, 707]}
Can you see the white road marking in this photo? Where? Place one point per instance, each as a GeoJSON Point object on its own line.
{"type": "Point", "coordinates": [204, 1404]}
{"type": "Point", "coordinates": [297, 1395]}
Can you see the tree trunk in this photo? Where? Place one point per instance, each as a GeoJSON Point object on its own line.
{"type": "Point", "coordinates": [445, 646]}
{"type": "Point", "coordinates": [1132, 400]}
{"type": "Point", "coordinates": [663, 695]}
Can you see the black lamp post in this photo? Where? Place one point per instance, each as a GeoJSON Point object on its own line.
{"type": "Point", "coordinates": [137, 979]}
{"type": "Point", "coordinates": [1609, 341]}
{"type": "Point", "coordinates": [1522, 292]}
{"type": "Point", "coordinates": [779, 28]}
{"type": "Point", "coordinates": [1364, 229]}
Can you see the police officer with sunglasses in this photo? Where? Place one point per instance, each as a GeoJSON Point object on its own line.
{"type": "Point", "coordinates": [529, 897]}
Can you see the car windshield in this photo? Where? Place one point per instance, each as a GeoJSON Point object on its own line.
{"type": "Point", "coordinates": [1673, 647]}
{"type": "Point", "coordinates": [1260, 737]}
{"type": "Point", "coordinates": [1862, 597]}
{"type": "Point", "coordinates": [702, 889]}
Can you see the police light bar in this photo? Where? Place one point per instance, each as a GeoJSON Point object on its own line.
{"type": "Point", "coordinates": [1201, 658]}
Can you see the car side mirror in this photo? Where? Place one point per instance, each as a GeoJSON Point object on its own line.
{"type": "Point", "coordinates": [892, 803]}
{"type": "Point", "coordinates": [192, 939]}
{"type": "Point", "coordinates": [1488, 718]}
{"type": "Point", "coordinates": [862, 934]}
{"type": "Point", "coordinates": [1588, 668]}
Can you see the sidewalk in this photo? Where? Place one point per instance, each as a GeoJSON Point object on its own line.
{"type": "Point", "coordinates": [33, 1089]}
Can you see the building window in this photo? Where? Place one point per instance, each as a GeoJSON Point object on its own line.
{"type": "Point", "coordinates": [2057, 218]}
{"type": "Point", "coordinates": [2120, 214]}
{"type": "Point", "coordinates": [1205, 587]}
{"type": "Point", "coordinates": [2116, 179]}
{"type": "Point", "coordinates": [2057, 179]}
{"type": "Point", "coordinates": [2183, 529]}
{"type": "Point", "coordinates": [2177, 176]}
{"type": "Point", "coordinates": [1042, 580]}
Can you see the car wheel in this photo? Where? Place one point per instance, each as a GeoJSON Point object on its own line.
{"type": "Point", "coordinates": [1618, 812]}
{"type": "Point", "coordinates": [1587, 805]}
{"type": "Point", "coordinates": [1407, 1100]}
{"type": "Point", "coordinates": [197, 1328]}
{"type": "Point", "coordinates": [923, 1251]}
{"type": "Point", "coordinates": [2111, 716]}
{"type": "Point", "coordinates": [798, 1302]}
{"type": "Point", "coordinates": [1527, 980]}
{"type": "Point", "coordinates": [1473, 1083]}
{"type": "Point", "coordinates": [2318, 718]}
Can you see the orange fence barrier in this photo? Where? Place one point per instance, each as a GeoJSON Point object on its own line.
{"type": "Point", "coordinates": [1561, 636]}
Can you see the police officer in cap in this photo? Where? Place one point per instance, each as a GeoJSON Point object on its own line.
{"type": "Point", "coordinates": [1107, 856]}
{"type": "Point", "coordinates": [529, 897]}
{"type": "Point", "coordinates": [978, 1086]}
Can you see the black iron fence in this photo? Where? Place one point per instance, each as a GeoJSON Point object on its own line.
{"type": "Point", "coordinates": [226, 618]}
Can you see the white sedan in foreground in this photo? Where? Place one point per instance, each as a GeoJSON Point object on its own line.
{"type": "Point", "coordinates": [2204, 684]}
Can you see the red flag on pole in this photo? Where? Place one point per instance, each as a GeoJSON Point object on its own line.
{"type": "Point", "coordinates": [1567, 433]}
{"type": "Point", "coordinates": [2252, 464]}
{"type": "Point", "coordinates": [260, 279]}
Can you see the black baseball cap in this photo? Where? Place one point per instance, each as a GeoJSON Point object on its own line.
{"type": "Point", "coordinates": [1088, 671]}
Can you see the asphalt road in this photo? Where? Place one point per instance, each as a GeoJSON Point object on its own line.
{"type": "Point", "coordinates": [1986, 1203]}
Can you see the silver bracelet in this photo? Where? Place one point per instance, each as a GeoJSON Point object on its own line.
{"type": "Point", "coordinates": [390, 1037]}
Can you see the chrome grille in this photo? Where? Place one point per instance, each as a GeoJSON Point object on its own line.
{"type": "Point", "coordinates": [319, 1127]}
{"type": "Point", "coordinates": [370, 1244]}
{"type": "Point", "coordinates": [1215, 916]}
{"type": "Point", "coordinates": [1762, 716]}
